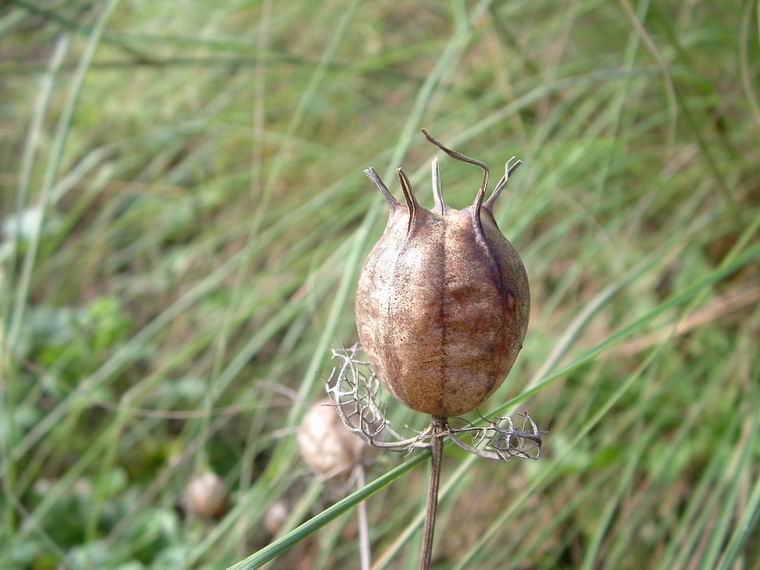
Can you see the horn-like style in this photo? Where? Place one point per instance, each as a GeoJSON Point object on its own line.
{"type": "Point", "coordinates": [459, 156]}
{"type": "Point", "coordinates": [509, 168]}
{"type": "Point", "coordinates": [440, 204]}
{"type": "Point", "coordinates": [411, 201]}
{"type": "Point", "coordinates": [372, 174]}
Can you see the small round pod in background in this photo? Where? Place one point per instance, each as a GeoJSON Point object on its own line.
{"type": "Point", "coordinates": [206, 496]}
{"type": "Point", "coordinates": [275, 517]}
{"type": "Point", "coordinates": [328, 448]}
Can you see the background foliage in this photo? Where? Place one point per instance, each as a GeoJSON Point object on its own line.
{"type": "Point", "coordinates": [184, 217]}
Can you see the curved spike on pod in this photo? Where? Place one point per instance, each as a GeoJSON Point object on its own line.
{"type": "Point", "coordinates": [411, 201]}
{"type": "Point", "coordinates": [372, 174]}
{"type": "Point", "coordinates": [459, 156]}
{"type": "Point", "coordinates": [440, 205]}
{"type": "Point", "coordinates": [511, 165]}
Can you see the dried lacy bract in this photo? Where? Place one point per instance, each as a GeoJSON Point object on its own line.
{"type": "Point", "coordinates": [353, 388]}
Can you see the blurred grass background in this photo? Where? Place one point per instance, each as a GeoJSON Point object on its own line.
{"type": "Point", "coordinates": [183, 221]}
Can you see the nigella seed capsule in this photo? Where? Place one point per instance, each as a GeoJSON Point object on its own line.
{"type": "Point", "coordinates": [443, 301]}
{"type": "Point", "coordinates": [326, 446]}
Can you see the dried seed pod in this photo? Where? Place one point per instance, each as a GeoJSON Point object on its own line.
{"type": "Point", "coordinates": [443, 301]}
{"type": "Point", "coordinates": [326, 446]}
{"type": "Point", "coordinates": [206, 496]}
{"type": "Point", "coordinates": [275, 517]}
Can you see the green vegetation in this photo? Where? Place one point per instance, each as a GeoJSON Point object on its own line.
{"type": "Point", "coordinates": [183, 221]}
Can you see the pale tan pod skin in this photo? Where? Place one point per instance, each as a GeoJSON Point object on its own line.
{"type": "Point", "coordinates": [206, 495]}
{"type": "Point", "coordinates": [327, 447]}
{"type": "Point", "coordinates": [442, 305]}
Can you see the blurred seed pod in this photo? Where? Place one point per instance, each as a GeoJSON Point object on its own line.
{"type": "Point", "coordinates": [275, 517]}
{"type": "Point", "coordinates": [206, 496]}
{"type": "Point", "coordinates": [43, 486]}
{"type": "Point", "coordinates": [326, 445]}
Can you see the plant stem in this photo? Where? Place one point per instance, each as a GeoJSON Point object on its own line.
{"type": "Point", "coordinates": [364, 547]}
{"type": "Point", "coordinates": [439, 425]}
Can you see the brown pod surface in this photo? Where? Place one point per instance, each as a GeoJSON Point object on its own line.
{"type": "Point", "coordinates": [442, 303]}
